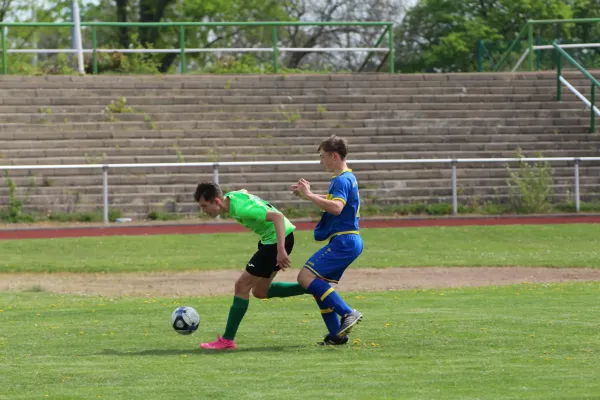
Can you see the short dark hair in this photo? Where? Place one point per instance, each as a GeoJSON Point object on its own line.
{"type": "Point", "coordinates": [208, 191]}
{"type": "Point", "coordinates": [335, 144]}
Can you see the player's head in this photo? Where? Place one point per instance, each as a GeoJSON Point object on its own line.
{"type": "Point", "coordinates": [333, 151]}
{"type": "Point", "coordinates": [210, 197]}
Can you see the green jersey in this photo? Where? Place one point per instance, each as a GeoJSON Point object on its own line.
{"type": "Point", "coordinates": [251, 211]}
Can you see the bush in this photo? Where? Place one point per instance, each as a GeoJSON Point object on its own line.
{"type": "Point", "coordinates": [530, 187]}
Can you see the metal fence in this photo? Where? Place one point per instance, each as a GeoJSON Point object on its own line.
{"type": "Point", "coordinates": [453, 163]}
{"type": "Point", "coordinates": [275, 49]}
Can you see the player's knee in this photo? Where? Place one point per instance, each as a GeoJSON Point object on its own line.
{"type": "Point", "coordinates": [242, 288]}
{"type": "Point", "coordinates": [259, 293]}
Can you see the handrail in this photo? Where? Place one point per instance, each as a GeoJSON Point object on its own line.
{"type": "Point", "coordinates": [275, 49]}
{"type": "Point", "coordinates": [215, 167]}
{"type": "Point", "coordinates": [551, 47]}
{"type": "Point", "coordinates": [510, 48]}
{"type": "Point", "coordinates": [560, 53]}
{"type": "Point", "coordinates": [530, 42]}
{"type": "Point", "coordinates": [377, 43]}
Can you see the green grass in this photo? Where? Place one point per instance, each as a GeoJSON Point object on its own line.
{"type": "Point", "coordinates": [512, 342]}
{"type": "Point", "coordinates": [518, 245]}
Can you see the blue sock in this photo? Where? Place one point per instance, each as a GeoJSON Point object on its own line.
{"type": "Point", "coordinates": [324, 293]}
{"type": "Point", "coordinates": [332, 320]}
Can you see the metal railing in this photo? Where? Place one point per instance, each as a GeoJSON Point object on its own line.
{"type": "Point", "coordinates": [560, 53]}
{"type": "Point", "coordinates": [529, 29]}
{"type": "Point", "coordinates": [183, 50]}
{"type": "Point", "coordinates": [551, 47]}
{"type": "Point", "coordinates": [215, 168]}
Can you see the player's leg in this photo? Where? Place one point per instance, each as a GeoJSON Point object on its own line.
{"type": "Point", "coordinates": [266, 288]}
{"type": "Point", "coordinates": [243, 286]}
{"type": "Point", "coordinates": [328, 265]}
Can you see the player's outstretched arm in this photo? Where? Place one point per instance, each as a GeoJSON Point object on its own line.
{"type": "Point", "coordinates": [331, 206]}
{"type": "Point", "coordinates": [283, 260]}
{"type": "Point", "coordinates": [294, 189]}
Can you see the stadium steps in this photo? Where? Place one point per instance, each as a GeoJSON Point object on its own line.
{"type": "Point", "coordinates": [63, 120]}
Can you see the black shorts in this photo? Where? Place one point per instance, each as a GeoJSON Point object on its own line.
{"type": "Point", "coordinates": [264, 262]}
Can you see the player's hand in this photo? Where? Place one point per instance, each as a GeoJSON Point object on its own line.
{"type": "Point", "coordinates": [303, 187]}
{"type": "Point", "coordinates": [283, 259]}
{"type": "Point", "coordinates": [296, 192]}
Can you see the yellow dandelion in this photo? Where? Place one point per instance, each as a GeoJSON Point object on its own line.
{"type": "Point", "coordinates": [38, 314]}
{"type": "Point", "coordinates": [387, 325]}
{"type": "Point", "coordinates": [357, 341]}
{"type": "Point", "coordinates": [532, 335]}
{"type": "Point", "coordinates": [374, 345]}
{"type": "Point", "coordinates": [81, 333]}
{"type": "Point", "coordinates": [1, 310]}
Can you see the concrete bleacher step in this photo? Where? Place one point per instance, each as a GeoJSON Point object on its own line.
{"type": "Point", "coordinates": [60, 120]}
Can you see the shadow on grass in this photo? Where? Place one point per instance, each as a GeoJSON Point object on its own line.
{"type": "Point", "coordinates": [191, 351]}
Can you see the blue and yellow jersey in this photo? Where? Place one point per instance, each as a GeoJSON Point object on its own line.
{"type": "Point", "coordinates": [343, 187]}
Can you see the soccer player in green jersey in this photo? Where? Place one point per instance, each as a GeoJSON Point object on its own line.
{"type": "Point", "coordinates": [276, 243]}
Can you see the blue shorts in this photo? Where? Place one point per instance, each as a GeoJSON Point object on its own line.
{"type": "Point", "coordinates": [330, 262]}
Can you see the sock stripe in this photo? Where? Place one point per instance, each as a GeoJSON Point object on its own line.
{"type": "Point", "coordinates": [326, 310]}
{"type": "Point", "coordinates": [327, 293]}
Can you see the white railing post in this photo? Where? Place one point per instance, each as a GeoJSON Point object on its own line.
{"type": "Point", "coordinates": [454, 189]}
{"type": "Point", "coordinates": [577, 202]}
{"type": "Point", "coordinates": [78, 41]}
{"type": "Point", "coordinates": [105, 193]}
{"type": "Point", "coordinates": [216, 173]}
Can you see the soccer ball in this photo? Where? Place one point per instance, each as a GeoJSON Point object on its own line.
{"type": "Point", "coordinates": [185, 320]}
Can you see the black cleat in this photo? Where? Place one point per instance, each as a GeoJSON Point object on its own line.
{"type": "Point", "coordinates": [348, 322]}
{"type": "Point", "coordinates": [331, 340]}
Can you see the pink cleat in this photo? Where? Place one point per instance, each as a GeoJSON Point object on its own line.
{"type": "Point", "coordinates": [219, 344]}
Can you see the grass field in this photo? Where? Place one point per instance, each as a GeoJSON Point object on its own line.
{"type": "Point", "coordinates": [518, 245]}
{"type": "Point", "coordinates": [512, 342]}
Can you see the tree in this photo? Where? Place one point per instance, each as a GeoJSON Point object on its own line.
{"type": "Point", "coordinates": [440, 35]}
{"type": "Point", "coordinates": [342, 36]}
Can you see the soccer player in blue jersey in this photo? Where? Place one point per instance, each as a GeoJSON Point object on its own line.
{"type": "Point", "coordinates": [339, 227]}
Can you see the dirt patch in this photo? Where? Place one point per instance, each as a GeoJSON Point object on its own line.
{"type": "Point", "coordinates": [213, 283]}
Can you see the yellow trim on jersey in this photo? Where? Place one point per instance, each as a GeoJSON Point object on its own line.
{"type": "Point", "coordinates": [340, 199]}
{"type": "Point", "coordinates": [346, 170]}
{"type": "Point", "coordinates": [326, 310]}
{"type": "Point", "coordinates": [319, 275]}
{"type": "Point", "coordinates": [327, 293]}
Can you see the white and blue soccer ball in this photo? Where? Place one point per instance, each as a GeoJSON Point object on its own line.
{"type": "Point", "coordinates": [185, 320]}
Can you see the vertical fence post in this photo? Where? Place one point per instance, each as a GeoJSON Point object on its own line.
{"type": "Point", "coordinates": [593, 114]}
{"type": "Point", "coordinates": [558, 75]}
{"type": "Point", "coordinates": [478, 52]}
{"type": "Point", "coordinates": [454, 189]}
{"type": "Point", "coordinates": [531, 54]}
{"type": "Point", "coordinates": [182, 48]}
{"type": "Point", "coordinates": [538, 53]}
{"type": "Point", "coordinates": [391, 47]}
{"type": "Point", "coordinates": [216, 176]}
{"type": "Point", "coordinates": [4, 50]}
{"type": "Point", "coordinates": [216, 173]}
{"type": "Point", "coordinates": [105, 192]}
{"type": "Point", "coordinates": [94, 53]}
{"type": "Point", "coordinates": [577, 201]}
{"type": "Point", "coordinates": [275, 48]}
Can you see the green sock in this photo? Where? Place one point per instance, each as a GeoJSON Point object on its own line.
{"type": "Point", "coordinates": [285, 289]}
{"type": "Point", "coordinates": [236, 314]}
